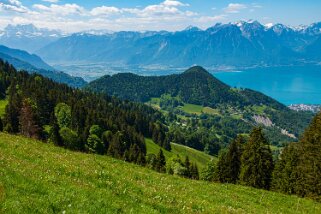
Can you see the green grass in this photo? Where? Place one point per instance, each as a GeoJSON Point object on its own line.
{"type": "Point", "coordinates": [3, 104]}
{"type": "Point", "coordinates": [192, 109]}
{"type": "Point", "coordinates": [211, 111]}
{"type": "Point", "coordinates": [259, 109]}
{"type": "Point", "coordinates": [198, 157]}
{"type": "Point", "coordinates": [39, 178]}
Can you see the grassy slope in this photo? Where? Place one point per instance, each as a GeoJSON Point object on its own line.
{"type": "Point", "coordinates": [200, 158]}
{"type": "Point", "coordinates": [40, 178]}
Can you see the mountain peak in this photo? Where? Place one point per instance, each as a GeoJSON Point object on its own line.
{"type": "Point", "coordinates": [197, 70]}
{"type": "Point", "coordinates": [192, 28]}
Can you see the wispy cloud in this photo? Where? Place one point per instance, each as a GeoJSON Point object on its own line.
{"type": "Point", "coordinates": [12, 5]}
{"type": "Point", "coordinates": [51, 1]}
{"type": "Point", "coordinates": [72, 17]}
{"type": "Point", "coordinates": [235, 8]}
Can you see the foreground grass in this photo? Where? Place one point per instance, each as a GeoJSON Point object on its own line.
{"type": "Point", "coordinates": [198, 157]}
{"type": "Point", "coordinates": [40, 178]}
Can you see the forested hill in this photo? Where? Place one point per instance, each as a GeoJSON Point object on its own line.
{"type": "Point", "coordinates": [196, 86]}
{"type": "Point", "coordinates": [42, 109]}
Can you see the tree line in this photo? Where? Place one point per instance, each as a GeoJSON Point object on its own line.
{"type": "Point", "coordinates": [249, 162]}
{"type": "Point", "coordinates": [42, 109]}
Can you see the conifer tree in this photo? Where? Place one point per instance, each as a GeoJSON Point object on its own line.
{"type": "Point", "coordinates": [257, 161]}
{"type": "Point", "coordinates": [28, 125]}
{"type": "Point", "coordinates": [309, 164]}
{"type": "Point", "coordinates": [221, 167]}
{"type": "Point", "coordinates": [298, 170]}
{"type": "Point", "coordinates": [161, 162]}
{"type": "Point", "coordinates": [55, 137]}
{"type": "Point", "coordinates": [233, 160]}
{"type": "Point", "coordinates": [285, 174]}
{"type": "Point", "coordinates": [188, 167]}
{"type": "Point", "coordinates": [194, 174]}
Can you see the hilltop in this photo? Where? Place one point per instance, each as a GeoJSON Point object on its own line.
{"type": "Point", "coordinates": [38, 177]}
{"type": "Point", "coordinates": [196, 94]}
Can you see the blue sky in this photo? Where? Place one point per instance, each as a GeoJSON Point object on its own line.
{"type": "Point", "coordinates": [79, 15]}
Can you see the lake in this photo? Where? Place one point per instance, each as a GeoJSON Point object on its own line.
{"type": "Point", "coordinates": [288, 85]}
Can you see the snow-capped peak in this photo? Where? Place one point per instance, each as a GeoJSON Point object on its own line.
{"type": "Point", "coordinates": [268, 25]}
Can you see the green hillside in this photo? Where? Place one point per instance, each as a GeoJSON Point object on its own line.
{"type": "Point", "coordinates": [39, 178]}
{"type": "Point", "coordinates": [220, 109]}
{"type": "Point", "coordinates": [198, 157]}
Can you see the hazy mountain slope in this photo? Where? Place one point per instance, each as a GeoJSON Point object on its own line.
{"type": "Point", "coordinates": [314, 50]}
{"type": "Point", "coordinates": [22, 60]}
{"type": "Point", "coordinates": [63, 181]}
{"type": "Point", "coordinates": [32, 59]}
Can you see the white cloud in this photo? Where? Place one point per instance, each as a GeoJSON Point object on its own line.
{"type": "Point", "coordinates": [51, 1]}
{"type": "Point", "coordinates": [235, 8]}
{"type": "Point", "coordinates": [12, 5]}
{"type": "Point", "coordinates": [66, 9]}
{"type": "Point", "coordinates": [104, 11]}
{"type": "Point", "coordinates": [172, 3]}
{"type": "Point", "coordinates": [167, 15]}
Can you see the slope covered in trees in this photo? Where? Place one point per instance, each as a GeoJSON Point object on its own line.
{"type": "Point", "coordinates": [42, 109]}
{"type": "Point", "coordinates": [196, 86]}
{"type": "Point", "coordinates": [298, 171]}
{"type": "Point", "coordinates": [38, 177]}
{"type": "Point", "coordinates": [224, 110]}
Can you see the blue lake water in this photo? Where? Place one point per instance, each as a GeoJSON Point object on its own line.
{"type": "Point", "coordinates": [288, 85]}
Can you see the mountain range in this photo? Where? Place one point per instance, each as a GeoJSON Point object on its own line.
{"type": "Point", "coordinates": [234, 44]}
{"type": "Point", "coordinates": [28, 37]}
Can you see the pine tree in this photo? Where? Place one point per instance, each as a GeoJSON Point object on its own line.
{"type": "Point", "coordinates": [298, 170]}
{"type": "Point", "coordinates": [194, 172]}
{"type": "Point", "coordinates": [188, 166]}
{"type": "Point", "coordinates": [309, 164]}
{"type": "Point", "coordinates": [257, 161]}
{"type": "Point", "coordinates": [285, 174]}
{"type": "Point", "coordinates": [55, 137]}
{"type": "Point", "coordinates": [161, 162]}
{"type": "Point", "coordinates": [12, 111]}
{"type": "Point", "coordinates": [233, 160]}
{"type": "Point", "coordinates": [28, 126]}
{"type": "Point", "coordinates": [222, 167]}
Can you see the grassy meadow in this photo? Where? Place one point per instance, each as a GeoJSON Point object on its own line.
{"type": "Point", "coordinates": [40, 178]}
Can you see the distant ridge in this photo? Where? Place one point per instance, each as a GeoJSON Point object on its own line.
{"type": "Point", "coordinates": [32, 63]}
{"type": "Point", "coordinates": [237, 44]}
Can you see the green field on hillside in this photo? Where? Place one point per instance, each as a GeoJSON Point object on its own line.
{"type": "Point", "coordinates": [198, 157]}
{"type": "Point", "coordinates": [192, 109]}
{"type": "Point", "coordinates": [39, 178]}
